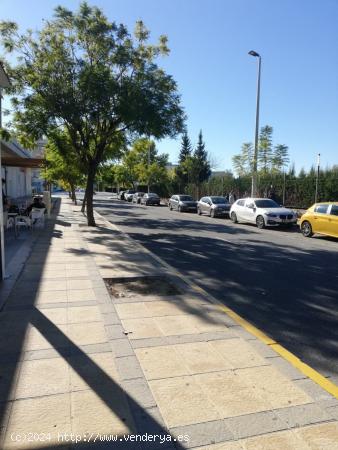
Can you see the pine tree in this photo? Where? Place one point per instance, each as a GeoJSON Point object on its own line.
{"type": "Point", "coordinates": [186, 148]}
{"type": "Point", "coordinates": [203, 170]}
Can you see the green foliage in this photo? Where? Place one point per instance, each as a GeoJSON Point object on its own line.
{"type": "Point", "coordinates": [265, 148]}
{"type": "Point", "coordinates": [142, 164]}
{"type": "Point", "coordinates": [269, 158]}
{"type": "Point", "coordinates": [201, 165]}
{"type": "Point", "coordinates": [91, 77]}
{"type": "Point", "coordinates": [62, 166]}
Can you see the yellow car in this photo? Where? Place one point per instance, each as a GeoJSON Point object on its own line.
{"type": "Point", "coordinates": [321, 218]}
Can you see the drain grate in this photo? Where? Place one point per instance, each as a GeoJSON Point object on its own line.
{"type": "Point", "coordinates": [136, 286]}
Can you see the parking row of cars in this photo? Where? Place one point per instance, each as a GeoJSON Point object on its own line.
{"type": "Point", "coordinates": [321, 218]}
{"type": "Point", "coordinates": [142, 198]}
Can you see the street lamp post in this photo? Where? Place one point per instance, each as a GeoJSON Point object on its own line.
{"type": "Point", "coordinates": [255, 158]}
{"type": "Point", "coordinates": [317, 177]}
{"type": "Point", "coordinates": [4, 83]}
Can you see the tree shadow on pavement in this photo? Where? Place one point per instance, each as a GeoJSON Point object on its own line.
{"type": "Point", "coordinates": [21, 315]}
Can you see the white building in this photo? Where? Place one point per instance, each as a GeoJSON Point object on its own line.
{"type": "Point", "coordinates": [16, 170]}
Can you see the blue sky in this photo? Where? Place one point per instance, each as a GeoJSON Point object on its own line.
{"type": "Point", "coordinates": [209, 42]}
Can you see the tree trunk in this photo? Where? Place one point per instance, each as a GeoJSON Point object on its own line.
{"type": "Point", "coordinates": [89, 196]}
{"type": "Point", "coordinates": [84, 201]}
{"type": "Point", "coordinates": [73, 194]}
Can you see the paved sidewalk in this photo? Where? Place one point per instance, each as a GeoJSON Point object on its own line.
{"type": "Point", "coordinates": [79, 363]}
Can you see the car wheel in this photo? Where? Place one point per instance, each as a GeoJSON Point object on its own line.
{"type": "Point", "coordinates": [199, 212]}
{"type": "Point", "coordinates": [233, 217]}
{"type": "Point", "coordinates": [260, 222]}
{"type": "Point", "coordinates": [179, 209]}
{"type": "Point", "coordinates": [306, 229]}
{"type": "Point", "coordinates": [212, 213]}
{"type": "Point", "coordinates": [170, 207]}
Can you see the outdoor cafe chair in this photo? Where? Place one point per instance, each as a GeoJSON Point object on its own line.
{"type": "Point", "coordinates": [37, 216]}
{"type": "Point", "coordinates": [22, 221]}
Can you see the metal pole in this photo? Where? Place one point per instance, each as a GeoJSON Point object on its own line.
{"type": "Point", "coordinates": [148, 165]}
{"type": "Point", "coordinates": [255, 158]}
{"type": "Point", "coordinates": [317, 178]}
{"type": "Point", "coordinates": [284, 186]}
{"type": "Point", "coordinates": [2, 234]}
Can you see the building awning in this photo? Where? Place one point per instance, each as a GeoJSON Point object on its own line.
{"type": "Point", "coordinates": [33, 163]}
{"type": "Point", "coordinates": [13, 155]}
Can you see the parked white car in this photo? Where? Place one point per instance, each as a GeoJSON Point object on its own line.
{"type": "Point", "coordinates": [262, 211]}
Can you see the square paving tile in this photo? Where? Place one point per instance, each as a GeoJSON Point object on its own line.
{"type": "Point", "coordinates": [93, 414]}
{"type": "Point", "coordinates": [95, 369]}
{"type": "Point", "coordinates": [43, 377]}
{"type": "Point", "coordinates": [56, 285]}
{"type": "Point", "coordinates": [283, 440]}
{"type": "Point", "coordinates": [320, 437]}
{"type": "Point", "coordinates": [230, 394]}
{"type": "Point", "coordinates": [177, 325]}
{"type": "Point", "coordinates": [84, 314]}
{"type": "Point", "coordinates": [48, 415]}
{"type": "Point", "coordinates": [51, 297]}
{"type": "Point", "coordinates": [201, 357]}
{"type": "Point", "coordinates": [79, 284]}
{"type": "Point", "coordinates": [238, 353]}
{"type": "Point", "coordinates": [164, 308]}
{"type": "Point", "coordinates": [141, 328]}
{"type": "Point", "coordinates": [161, 362]}
{"type": "Point", "coordinates": [58, 316]}
{"type": "Point", "coordinates": [182, 401]}
{"type": "Point", "coordinates": [80, 295]}
{"type": "Point", "coordinates": [86, 333]}
{"type": "Point", "coordinates": [273, 386]}
{"type": "Point", "coordinates": [132, 310]}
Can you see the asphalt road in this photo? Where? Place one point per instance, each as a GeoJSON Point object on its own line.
{"type": "Point", "coordinates": [283, 283]}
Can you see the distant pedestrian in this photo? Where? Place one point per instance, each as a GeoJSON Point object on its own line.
{"type": "Point", "coordinates": [232, 198]}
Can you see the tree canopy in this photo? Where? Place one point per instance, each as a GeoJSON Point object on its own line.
{"type": "Point", "coordinates": [91, 78]}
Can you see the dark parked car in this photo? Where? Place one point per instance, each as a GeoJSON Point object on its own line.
{"type": "Point", "coordinates": [182, 203]}
{"type": "Point", "coordinates": [150, 199]}
{"type": "Point", "coordinates": [214, 206]}
{"type": "Point", "coordinates": [137, 197]}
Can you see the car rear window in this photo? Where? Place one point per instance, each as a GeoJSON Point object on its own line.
{"type": "Point", "coordinates": [334, 210]}
{"type": "Point", "coordinates": [186, 198]}
{"type": "Point", "coordinates": [266, 203]}
{"type": "Point", "coordinates": [218, 200]}
{"type": "Point", "coordinates": [321, 209]}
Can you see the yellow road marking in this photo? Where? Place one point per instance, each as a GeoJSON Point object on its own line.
{"type": "Point", "coordinates": [308, 371]}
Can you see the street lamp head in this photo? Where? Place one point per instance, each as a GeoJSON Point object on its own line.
{"type": "Point", "coordinates": [253, 53]}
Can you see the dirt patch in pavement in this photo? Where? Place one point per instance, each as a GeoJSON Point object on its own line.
{"type": "Point", "coordinates": [132, 287]}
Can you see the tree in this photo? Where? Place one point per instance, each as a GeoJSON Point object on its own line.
{"type": "Point", "coordinates": [243, 162]}
{"type": "Point", "coordinates": [185, 152]}
{"type": "Point", "coordinates": [142, 164]}
{"type": "Point", "coordinates": [280, 157]}
{"type": "Point", "coordinates": [265, 148]}
{"type": "Point", "coordinates": [186, 148]}
{"type": "Point", "coordinates": [202, 165]}
{"type": "Point", "coordinates": [90, 77]}
{"type": "Point", "coordinates": [61, 165]}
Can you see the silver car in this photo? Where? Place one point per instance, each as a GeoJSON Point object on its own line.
{"type": "Point", "coordinates": [150, 199]}
{"type": "Point", "coordinates": [182, 203]}
{"type": "Point", "coordinates": [214, 206]}
{"type": "Point", "coordinates": [137, 197]}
